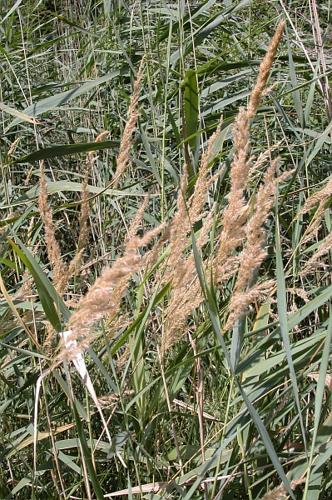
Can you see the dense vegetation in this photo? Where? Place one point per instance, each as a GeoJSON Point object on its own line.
{"type": "Point", "coordinates": [165, 288]}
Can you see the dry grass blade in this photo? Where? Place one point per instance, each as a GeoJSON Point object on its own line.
{"type": "Point", "coordinates": [160, 485]}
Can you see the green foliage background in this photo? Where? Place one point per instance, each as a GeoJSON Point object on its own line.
{"type": "Point", "coordinates": [71, 65]}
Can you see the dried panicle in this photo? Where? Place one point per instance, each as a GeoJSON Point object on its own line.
{"type": "Point", "coordinates": [315, 261]}
{"type": "Point", "coordinates": [135, 223]}
{"type": "Point", "coordinates": [254, 252]}
{"type": "Point", "coordinates": [83, 226]}
{"type": "Point", "coordinates": [12, 147]}
{"type": "Point", "coordinates": [314, 225]}
{"type": "Point", "coordinates": [91, 156]}
{"type": "Point", "coordinates": [178, 229]}
{"type": "Point", "coordinates": [300, 292]}
{"type": "Point", "coordinates": [204, 180]}
{"type": "Point", "coordinates": [85, 209]}
{"type": "Point", "coordinates": [322, 198]}
{"type": "Point", "coordinates": [185, 217]}
{"type": "Point", "coordinates": [327, 382]}
{"type": "Point", "coordinates": [183, 301]}
{"type": "Point", "coordinates": [104, 297]}
{"type": "Point", "coordinates": [151, 257]}
{"type": "Point", "coordinates": [123, 159]}
{"type": "Point", "coordinates": [264, 71]}
{"type": "Point", "coordinates": [280, 493]}
{"type": "Point", "coordinates": [26, 289]}
{"type": "Point", "coordinates": [257, 163]}
{"type": "Point", "coordinates": [203, 236]}
{"type": "Point", "coordinates": [142, 241]}
{"type": "Point", "coordinates": [235, 228]}
{"type": "Point", "coordinates": [186, 294]}
{"type": "Point", "coordinates": [100, 137]}
{"type": "Point", "coordinates": [235, 214]}
{"type": "Point", "coordinates": [123, 358]}
{"type": "Point", "coordinates": [241, 301]}
{"type": "Point", "coordinates": [60, 270]}
{"type": "Point", "coordinates": [227, 270]}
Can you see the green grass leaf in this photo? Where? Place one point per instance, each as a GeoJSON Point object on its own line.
{"type": "Point", "coordinates": [49, 298]}
{"type": "Point", "coordinates": [58, 100]}
{"type": "Point", "coordinates": [191, 107]}
{"type": "Point", "coordinates": [59, 150]}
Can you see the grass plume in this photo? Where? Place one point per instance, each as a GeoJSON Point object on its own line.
{"type": "Point", "coordinates": [59, 268]}
{"type": "Point", "coordinates": [104, 297]}
{"type": "Point", "coordinates": [315, 262]}
{"type": "Point", "coordinates": [234, 218]}
{"type": "Point", "coordinates": [254, 252]}
{"type": "Point", "coordinates": [320, 198]}
{"type": "Point", "coordinates": [123, 159]}
{"type": "Point", "coordinates": [186, 295]}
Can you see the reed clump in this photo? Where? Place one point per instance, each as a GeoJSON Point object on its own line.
{"type": "Point", "coordinates": [235, 215]}
{"type": "Point", "coordinates": [186, 294]}
{"type": "Point", "coordinates": [240, 244]}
